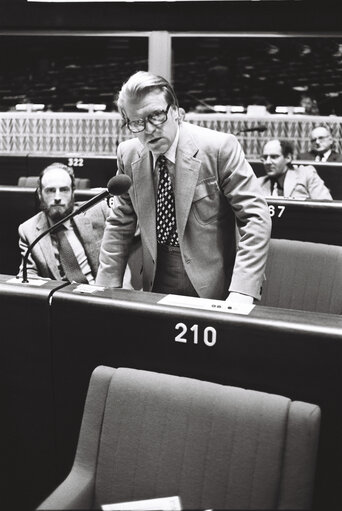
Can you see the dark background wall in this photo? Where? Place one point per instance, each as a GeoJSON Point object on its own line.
{"type": "Point", "coordinates": [302, 16]}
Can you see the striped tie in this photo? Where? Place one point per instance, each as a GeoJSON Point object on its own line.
{"type": "Point", "coordinates": [68, 259]}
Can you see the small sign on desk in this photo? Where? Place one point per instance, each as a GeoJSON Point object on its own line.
{"type": "Point", "coordinates": [206, 304]}
{"type": "Point", "coordinates": [33, 282]}
{"type": "Point", "coordinates": [166, 503]}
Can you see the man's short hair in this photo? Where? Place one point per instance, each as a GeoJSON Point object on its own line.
{"type": "Point", "coordinates": [286, 148]}
{"type": "Point", "coordinates": [61, 166]}
{"type": "Point", "coordinates": [143, 82]}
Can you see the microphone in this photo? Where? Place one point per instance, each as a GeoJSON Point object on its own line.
{"type": "Point", "coordinates": [117, 185]}
{"type": "Point", "coordinates": [260, 129]}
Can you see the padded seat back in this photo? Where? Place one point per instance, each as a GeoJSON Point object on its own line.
{"type": "Point", "coordinates": [304, 276]}
{"type": "Point", "coordinates": [147, 435]}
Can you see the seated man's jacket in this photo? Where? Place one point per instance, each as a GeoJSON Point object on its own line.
{"type": "Point", "coordinates": [311, 155]}
{"type": "Point", "coordinates": [42, 261]}
{"type": "Point", "coordinates": [300, 182]}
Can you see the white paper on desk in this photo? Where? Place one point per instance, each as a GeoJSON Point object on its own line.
{"type": "Point", "coordinates": [32, 282]}
{"type": "Point", "coordinates": [87, 288]}
{"type": "Point", "coordinates": [165, 503]}
{"type": "Point", "coordinates": [207, 304]}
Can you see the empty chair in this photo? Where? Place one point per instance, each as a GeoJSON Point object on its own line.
{"type": "Point", "coordinates": [32, 182]}
{"type": "Point", "coordinates": [304, 276]}
{"type": "Point", "coordinates": [148, 435]}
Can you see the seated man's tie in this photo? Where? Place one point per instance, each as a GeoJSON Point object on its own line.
{"type": "Point", "coordinates": [274, 185]}
{"type": "Point", "coordinates": [166, 212]}
{"type": "Point", "coordinates": [68, 259]}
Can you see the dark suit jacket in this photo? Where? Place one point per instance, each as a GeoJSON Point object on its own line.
{"type": "Point", "coordinates": [215, 190]}
{"type": "Point", "coordinates": [309, 156]}
{"type": "Point", "coordinates": [42, 261]}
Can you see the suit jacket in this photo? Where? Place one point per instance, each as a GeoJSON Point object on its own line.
{"type": "Point", "coordinates": [311, 155]}
{"type": "Point", "coordinates": [301, 182]}
{"type": "Point", "coordinates": [42, 261]}
{"type": "Point", "coordinates": [215, 190]}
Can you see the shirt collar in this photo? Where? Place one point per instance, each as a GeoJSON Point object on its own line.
{"type": "Point", "coordinates": [326, 155]}
{"type": "Point", "coordinates": [170, 154]}
{"type": "Point", "coordinates": [67, 224]}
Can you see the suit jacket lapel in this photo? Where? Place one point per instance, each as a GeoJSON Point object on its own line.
{"type": "Point", "coordinates": [265, 184]}
{"type": "Point", "coordinates": [45, 246]}
{"type": "Point", "coordinates": [86, 232]}
{"type": "Point", "coordinates": [187, 170]}
{"type": "Point", "coordinates": [290, 182]}
{"type": "Point", "coordinates": [145, 199]}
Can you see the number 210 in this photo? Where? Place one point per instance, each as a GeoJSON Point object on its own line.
{"type": "Point", "coordinates": [209, 334]}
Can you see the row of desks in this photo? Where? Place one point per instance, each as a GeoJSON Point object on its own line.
{"type": "Point", "coordinates": [99, 169]}
{"type": "Point", "coordinates": [315, 221]}
{"type": "Point", "coordinates": [55, 335]}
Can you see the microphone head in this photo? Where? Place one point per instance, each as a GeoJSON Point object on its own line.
{"type": "Point", "coordinates": [118, 185]}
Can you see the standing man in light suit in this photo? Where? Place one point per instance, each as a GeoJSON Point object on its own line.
{"type": "Point", "coordinates": [191, 188]}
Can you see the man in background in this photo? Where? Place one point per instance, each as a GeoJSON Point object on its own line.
{"type": "Point", "coordinates": [72, 253]}
{"type": "Point", "coordinates": [322, 149]}
{"type": "Point", "coordinates": [284, 180]}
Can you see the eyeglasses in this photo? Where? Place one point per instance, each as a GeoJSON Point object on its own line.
{"type": "Point", "coordinates": [319, 138]}
{"type": "Point", "coordinates": [156, 119]}
{"type": "Point", "coordinates": [264, 157]}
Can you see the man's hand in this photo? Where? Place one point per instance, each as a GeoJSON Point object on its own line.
{"type": "Point", "coordinates": [238, 298]}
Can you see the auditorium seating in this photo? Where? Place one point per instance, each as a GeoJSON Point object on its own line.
{"type": "Point", "coordinates": [98, 169]}
{"type": "Point", "coordinates": [303, 276]}
{"type": "Point", "coordinates": [148, 435]}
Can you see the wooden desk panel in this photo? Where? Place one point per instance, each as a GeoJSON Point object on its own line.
{"type": "Point", "coordinates": [27, 440]}
{"type": "Point", "coordinates": [316, 221]}
{"type": "Point", "coordinates": [292, 353]}
{"type": "Point", "coordinates": [12, 166]}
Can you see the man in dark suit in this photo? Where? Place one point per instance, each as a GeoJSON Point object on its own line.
{"type": "Point", "coordinates": [192, 190]}
{"type": "Point", "coordinates": [74, 255]}
{"type": "Point", "coordinates": [322, 147]}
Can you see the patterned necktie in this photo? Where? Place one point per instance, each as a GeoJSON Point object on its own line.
{"type": "Point", "coordinates": [68, 259]}
{"type": "Point", "coordinates": [166, 212]}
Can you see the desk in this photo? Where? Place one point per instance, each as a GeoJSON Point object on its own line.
{"type": "Point", "coordinates": [12, 166]}
{"type": "Point", "coordinates": [26, 389]}
{"type": "Point", "coordinates": [291, 353]}
{"type": "Point", "coordinates": [316, 221]}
